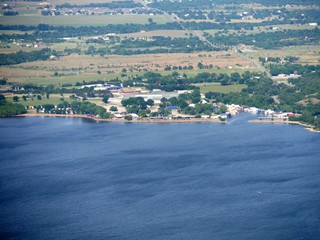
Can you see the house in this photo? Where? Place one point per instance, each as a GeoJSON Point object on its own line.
{"type": "Point", "coordinates": [118, 116]}
{"type": "Point", "coordinates": [133, 115]}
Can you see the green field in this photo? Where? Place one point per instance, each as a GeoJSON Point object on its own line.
{"type": "Point", "coordinates": [53, 99]}
{"type": "Point", "coordinates": [216, 87]}
{"type": "Point", "coordinates": [94, 20]}
{"type": "Point", "coordinates": [307, 54]}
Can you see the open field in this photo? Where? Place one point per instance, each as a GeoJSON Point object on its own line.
{"type": "Point", "coordinates": [78, 68]}
{"type": "Point", "coordinates": [10, 32]}
{"type": "Point", "coordinates": [216, 87]}
{"type": "Point", "coordinates": [45, 77]}
{"type": "Point", "coordinates": [307, 54]}
{"type": "Point", "coordinates": [273, 28]}
{"type": "Point", "coordinates": [94, 20]}
{"type": "Point", "coordinates": [53, 99]}
{"type": "Point", "coordinates": [162, 33]}
{"type": "Point", "coordinates": [150, 61]}
{"type": "Point", "coordinates": [13, 47]}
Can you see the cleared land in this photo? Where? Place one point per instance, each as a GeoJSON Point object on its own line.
{"type": "Point", "coordinates": [162, 33]}
{"type": "Point", "coordinates": [273, 28]}
{"type": "Point", "coordinates": [94, 20]}
{"type": "Point", "coordinates": [78, 68]}
{"type": "Point", "coordinates": [307, 54]}
{"type": "Point", "coordinates": [150, 61]}
{"type": "Point", "coordinates": [216, 87]}
{"type": "Point", "coordinates": [53, 99]}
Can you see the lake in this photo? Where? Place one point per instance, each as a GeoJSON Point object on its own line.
{"type": "Point", "coordinates": [71, 178]}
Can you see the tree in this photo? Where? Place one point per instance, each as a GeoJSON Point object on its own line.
{"type": "Point", "coordinates": [113, 109]}
{"type": "Point", "coordinates": [105, 98]}
{"type": "Point", "coordinates": [24, 98]}
{"type": "Point", "coordinates": [150, 102]}
{"type": "Point", "coordinates": [3, 81]}
{"type": "Point", "coordinates": [222, 109]}
{"type": "Point", "coordinates": [235, 77]}
{"type": "Point", "coordinates": [39, 97]}
{"type": "Point", "coordinates": [2, 97]}
{"type": "Point", "coordinates": [128, 118]}
{"type": "Point", "coordinates": [15, 98]}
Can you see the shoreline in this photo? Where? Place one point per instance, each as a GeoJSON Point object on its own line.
{"type": "Point", "coordinates": [195, 120]}
{"type": "Point", "coordinates": [307, 126]}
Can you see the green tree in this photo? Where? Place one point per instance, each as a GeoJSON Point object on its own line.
{"type": "Point", "coordinates": [105, 98]}
{"type": "Point", "coordinates": [3, 81]}
{"type": "Point", "coordinates": [150, 102]}
{"type": "Point", "coordinates": [128, 118]}
{"type": "Point", "coordinates": [222, 109]}
{"type": "Point", "coordinates": [15, 98]}
{"type": "Point", "coordinates": [113, 109]}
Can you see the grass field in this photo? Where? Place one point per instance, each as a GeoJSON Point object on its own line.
{"type": "Point", "coordinates": [273, 28]}
{"type": "Point", "coordinates": [78, 68]}
{"type": "Point", "coordinates": [94, 20]}
{"type": "Point", "coordinates": [46, 78]}
{"type": "Point", "coordinates": [163, 33]}
{"type": "Point", "coordinates": [307, 54]}
{"type": "Point", "coordinates": [10, 32]}
{"type": "Point", "coordinates": [53, 99]}
{"type": "Point", "coordinates": [150, 61]}
{"type": "Point", "coordinates": [214, 87]}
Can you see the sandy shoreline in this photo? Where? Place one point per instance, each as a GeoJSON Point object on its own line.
{"type": "Point", "coordinates": [308, 127]}
{"type": "Point", "coordinates": [195, 120]}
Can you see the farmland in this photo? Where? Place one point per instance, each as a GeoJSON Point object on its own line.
{"type": "Point", "coordinates": [75, 68]}
{"type": "Point", "coordinates": [95, 20]}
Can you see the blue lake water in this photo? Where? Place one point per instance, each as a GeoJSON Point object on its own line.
{"type": "Point", "coordinates": [64, 178]}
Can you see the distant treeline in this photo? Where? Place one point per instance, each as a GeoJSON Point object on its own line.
{"type": "Point", "coordinates": [269, 40]}
{"type": "Point", "coordinates": [20, 57]}
{"type": "Point", "coordinates": [288, 68]}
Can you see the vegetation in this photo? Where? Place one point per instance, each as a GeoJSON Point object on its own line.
{"type": "Point", "coordinates": [268, 40]}
{"type": "Point", "coordinates": [75, 107]}
{"type": "Point", "coordinates": [20, 57]}
{"type": "Point", "coordinates": [8, 109]}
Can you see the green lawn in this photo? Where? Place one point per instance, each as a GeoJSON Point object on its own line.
{"type": "Point", "coordinates": [216, 87]}
{"type": "Point", "coordinates": [53, 99]}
